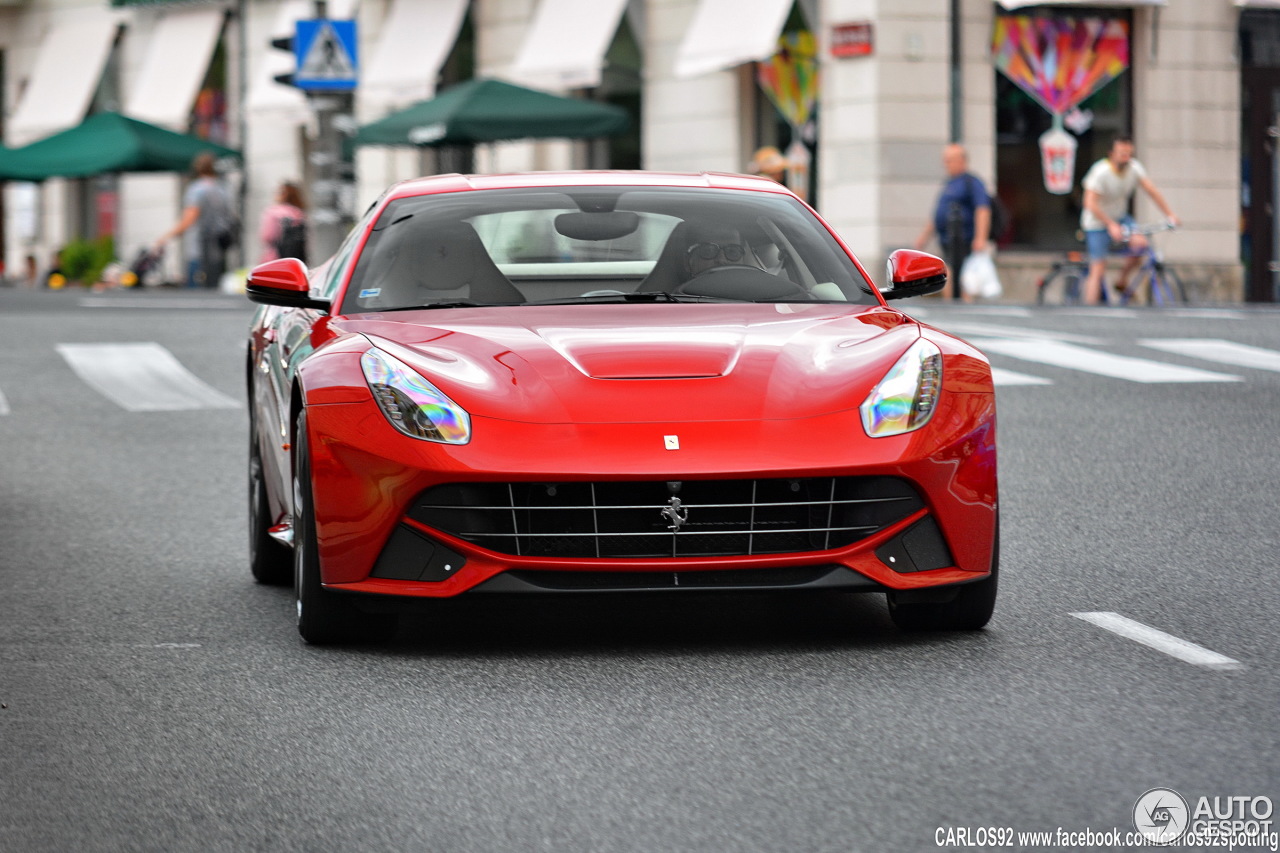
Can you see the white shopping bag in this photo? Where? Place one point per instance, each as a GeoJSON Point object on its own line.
{"type": "Point", "coordinates": [978, 276]}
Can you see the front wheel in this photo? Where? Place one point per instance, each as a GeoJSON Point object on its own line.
{"type": "Point", "coordinates": [324, 617]}
{"type": "Point", "coordinates": [970, 610]}
{"type": "Point", "coordinates": [1166, 287]}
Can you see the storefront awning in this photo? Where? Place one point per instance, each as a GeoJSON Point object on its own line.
{"type": "Point", "coordinates": [1258, 4]}
{"type": "Point", "coordinates": [1116, 4]}
{"type": "Point", "coordinates": [566, 43]}
{"type": "Point", "coordinates": [66, 73]}
{"type": "Point", "coordinates": [175, 65]}
{"type": "Point", "coordinates": [415, 41]}
{"type": "Point", "coordinates": [725, 33]}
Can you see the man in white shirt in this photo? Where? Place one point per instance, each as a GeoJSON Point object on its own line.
{"type": "Point", "coordinates": [1108, 186]}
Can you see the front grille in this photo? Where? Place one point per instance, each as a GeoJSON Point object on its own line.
{"type": "Point", "coordinates": [692, 518]}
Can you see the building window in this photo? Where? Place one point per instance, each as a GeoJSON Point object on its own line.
{"type": "Point", "coordinates": [1040, 219]}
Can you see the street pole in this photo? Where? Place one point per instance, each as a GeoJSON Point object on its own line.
{"type": "Point", "coordinates": [332, 186]}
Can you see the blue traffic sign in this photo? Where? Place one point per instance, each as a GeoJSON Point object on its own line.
{"type": "Point", "coordinates": [327, 55]}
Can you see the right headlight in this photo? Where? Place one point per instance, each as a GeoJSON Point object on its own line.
{"type": "Point", "coordinates": [906, 397]}
{"type": "Point", "coordinates": [412, 404]}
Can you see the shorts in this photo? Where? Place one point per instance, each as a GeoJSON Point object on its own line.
{"type": "Point", "coordinates": [1098, 243]}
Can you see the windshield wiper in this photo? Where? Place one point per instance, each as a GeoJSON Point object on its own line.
{"type": "Point", "coordinates": [641, 296]}
{"type": "Point", "coordinates": [460, 303]}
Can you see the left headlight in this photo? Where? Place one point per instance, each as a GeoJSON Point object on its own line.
{"type": "Point", "coordinates": [906, 397]}
{"type": "Point", "coordinates": [412, 404]}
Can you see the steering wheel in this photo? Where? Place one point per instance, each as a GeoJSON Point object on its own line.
{"type": "Point", "coordinates": [750, 283]}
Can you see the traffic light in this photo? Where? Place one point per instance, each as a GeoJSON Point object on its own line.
{"type": "Point", "coordinates": [283, 43]}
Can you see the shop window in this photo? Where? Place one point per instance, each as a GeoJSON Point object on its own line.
{"type": "Point", "coordinates": [620, 85]}
{"type": "Point", "coordinates": [786, 101]}
{"type": "Point", "coordinates": [209, 115]}
{"type": "Point", "coordinates": [1040, 219]}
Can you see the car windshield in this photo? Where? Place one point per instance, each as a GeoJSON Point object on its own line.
{"type": "Point", "coordinates": [560, 245]}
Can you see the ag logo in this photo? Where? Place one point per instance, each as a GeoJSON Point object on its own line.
{"type": "Point", "coordinates": [1161, 815]}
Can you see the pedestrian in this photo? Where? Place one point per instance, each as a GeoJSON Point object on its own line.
{"type": "Point", "coordinates": [208, 225]}
{"type": "Point", "coordinates": [283, 228]}
{"type": "Point", "coordinates": [55, 278]}
{"type": "Point", "coordinates": [961, 218]}
{"type": "Point", "coordinates": [768, 162]}
{"type": "Point", "coordinates": [1109, 186]}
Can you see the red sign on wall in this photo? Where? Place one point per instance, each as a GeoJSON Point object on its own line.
{"type": "Point", "coordinates": [851, 39]}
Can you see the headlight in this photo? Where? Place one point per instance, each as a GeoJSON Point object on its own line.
{"type": "Point", "coordinates": [905, 399]}
{"type": "Point", "coordinates": [412, 404]}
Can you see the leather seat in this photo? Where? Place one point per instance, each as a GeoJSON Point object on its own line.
{"type": "Point", "coordinates": [445, 262]}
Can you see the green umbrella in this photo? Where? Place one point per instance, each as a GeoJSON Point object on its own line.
{"type": "Point", "coordinates": [105, 142]}
{"type": "Point", "coordinates": [488, 110]}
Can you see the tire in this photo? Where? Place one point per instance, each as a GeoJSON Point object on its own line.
{"type": "Point", "coordinates": [1060, 287]}
{"type": "Point", "coordinates": [970, 610]}
{"type": "Point", "coordinates": [1166, 287]}
{"type": "Point", "coordinates": [324, 617]}
{"type": "Point", "coordinates": [271, 562]}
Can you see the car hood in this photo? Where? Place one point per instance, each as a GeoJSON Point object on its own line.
{"type": "Point", "coordinates": [646, 363]}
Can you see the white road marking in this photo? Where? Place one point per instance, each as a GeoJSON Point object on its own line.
{"type": "Point", "coordinates": [1222, 352]}
{"type": "Point", "coordinates": [1098, 313]}
{"type": "Point", "coordinates": [1160, 641]}
{"type": "Point", "coordinates": [1073, 357]}
{"type": "Point", "coordinates": [1000, 376]}
{"type": "Point", "coordinates": [984, 330]}
{"type": "Point", "coordinates": [143, 377]}
{"type": "Point", "coordinates": [4, 405]}
{"type": "Point", "coordinates": [172, 303]}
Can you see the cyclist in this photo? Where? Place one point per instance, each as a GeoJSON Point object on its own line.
{"type": "Point", "coordinates": [1108, 186]}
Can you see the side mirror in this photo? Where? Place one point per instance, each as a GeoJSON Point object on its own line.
{"type": "Point", "coordinates": [283, 282]}
{"type": "Point", "coordinates": [912, 273]}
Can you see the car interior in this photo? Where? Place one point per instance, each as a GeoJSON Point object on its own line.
{"type": "Point", "coordinates": [599, 244]}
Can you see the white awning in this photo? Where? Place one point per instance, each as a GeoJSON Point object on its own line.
{"type": "Point", "coordinates": [265, 94]}
{"type": "Point", "coordinates": [1121, 4]}
{"type": "Point", "coordinates": [66, 73]}
{"type": "Point", "coordinates": [415, 41]}
{"type": "Point", "coordinates": [1258, 4]}
{"type": "Point", "coordinates": [175, 65]}
{"type": "Point", "coordinates": [566, 43]}
{"type": "Point", "coordinates": [725, 33]}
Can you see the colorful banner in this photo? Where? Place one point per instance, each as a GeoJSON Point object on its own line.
{"type": "Point", "coordinates": [790, 77]}
{"type": "Point", "coordinates": [1060, 61]}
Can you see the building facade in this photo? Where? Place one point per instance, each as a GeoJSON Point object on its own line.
{"type": "Point", "coordinates": [862, 94]}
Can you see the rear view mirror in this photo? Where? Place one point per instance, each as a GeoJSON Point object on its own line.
{"type": "Point", "coordinates": [912, 273]}
{"type": "Point", "coordinates": [602, 225]}
{"type": "Point", "coordinates": [283, 282]}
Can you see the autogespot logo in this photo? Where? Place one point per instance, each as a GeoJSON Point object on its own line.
{"type": "Point", "coordinates": [1161, 815]}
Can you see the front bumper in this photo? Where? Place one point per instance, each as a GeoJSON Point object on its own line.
{"type": "Point", "coordinates": [368, 478]}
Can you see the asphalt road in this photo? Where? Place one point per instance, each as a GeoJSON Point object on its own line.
{"type": "Point", "coordinates": [152, 697]}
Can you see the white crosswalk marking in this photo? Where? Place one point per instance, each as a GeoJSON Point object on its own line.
{"type": "Point", "coordinates": [1060, 354]}
{"type": "Point", "coordinates": [142, 377]}
{"type": "Point", "coordinates": [4, 404]}
{"type": "Point", "coordinates": [1000, 376]}
{"type": "Point", "coordinates": [1222, 352]}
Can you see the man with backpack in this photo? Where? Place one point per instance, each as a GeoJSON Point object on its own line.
{"type": "Point", "coordinates": [962, 218]}
{"type": "Point", "coordinates": [209, 226]}
{"type": "Point", "coordinates": [283, 228]}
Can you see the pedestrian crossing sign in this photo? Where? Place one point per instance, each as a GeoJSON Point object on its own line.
{"type": "Point", "coordinates": [326, 54]}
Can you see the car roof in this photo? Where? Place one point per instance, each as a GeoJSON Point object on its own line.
{"type": "Point", "coordinates": [534, 180]}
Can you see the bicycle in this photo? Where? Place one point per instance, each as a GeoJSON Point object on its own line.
{"type": "Point", "coordinates": [1153, 283]}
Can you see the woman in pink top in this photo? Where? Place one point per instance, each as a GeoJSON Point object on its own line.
{"type": "Point", "coordinates": [283, 230]}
